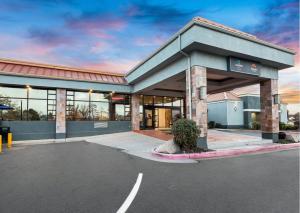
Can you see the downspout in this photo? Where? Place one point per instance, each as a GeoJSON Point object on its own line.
{"type": "Point", "coordinates": [189, 75]}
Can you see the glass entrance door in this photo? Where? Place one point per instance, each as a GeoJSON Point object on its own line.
{"type": "Point", "coordinates": [163, 117]}
{"type": "Point", "coordinates": [149, 118]}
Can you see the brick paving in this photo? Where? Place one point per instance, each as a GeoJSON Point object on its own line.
{"type": "Point", "coordinates": [213, 135]}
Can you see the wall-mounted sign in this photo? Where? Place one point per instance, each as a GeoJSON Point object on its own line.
{"type": "Point", "coordinates": [100, 125]}
{"type": "Point", "coordinates": [243, 66]}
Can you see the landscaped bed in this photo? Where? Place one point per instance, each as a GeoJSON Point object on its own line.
{"type": "Point", "coordinates": [185, 134]}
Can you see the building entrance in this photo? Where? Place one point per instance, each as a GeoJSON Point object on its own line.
{"type": "Point", "coordinates": [160, 117]}
{"type": "Point", "coordinates": [158, 112]}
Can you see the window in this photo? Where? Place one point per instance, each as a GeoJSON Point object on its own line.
{"type": "Point", "coordinates": [78, 106]}
{"type": "Point", "coordinates": [176, 102]}
{"type": "Point", "coordinates": [176, 105]}
{"type": "Point", "coordinates": [167, 101]}
{"type": "Point", "coordinates": [158, 101]}
{"type": "Point", "coordinates": [120, 107]}
{"type": "Point", "coordinates": [97, 106]}
{"type": "Point", "coordinates": [100, 111]}
{"type": "Point", "coordinates": [148, 100]}
{"type": "Point", "coordinates": [28, 103]}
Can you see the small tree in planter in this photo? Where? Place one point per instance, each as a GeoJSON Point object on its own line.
{"type": "Point", "coordinates": [185, 134]}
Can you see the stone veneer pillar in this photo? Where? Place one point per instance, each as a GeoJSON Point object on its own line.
{"type": "Point", "coordinates": [269, 116]}
{"type": "Point", "coordinates": [199, 106]}
{"type": "Point", "coordinates": [135, 112]}
{"type": "Point", "coordinates": [60, 113]}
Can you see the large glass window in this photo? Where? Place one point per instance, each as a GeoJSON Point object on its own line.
{"type": "Point", "coordinates": [173, 106]}
{"type": "Point", "coordinates": [100, 111]}
{"type": "Point", "coordinates": [168, 101]}
{"type": "Point", "coordinates": [148, 100]}
{"type": "Point", "coordinates": [158, 101]}
{"type": "Point", "coordinates": [28, 103]}
{"type": "Point", "coordinates": [120, 107]}
{"type": "Point", "coordinates": [79, 106]}
{"type": "Point", "coordinates": [97, 106]}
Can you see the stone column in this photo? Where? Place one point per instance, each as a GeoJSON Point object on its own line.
{"type": "Point", "coordinates": [135, 112]}
{"type": "Point", "coordinates": [199, 105]}
{"type": "Point", "coordinates": [269, 116]}
{"type": "Point", "coordinates": [60, 113]}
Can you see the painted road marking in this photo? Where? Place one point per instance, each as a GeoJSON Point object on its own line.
{"type": "Point", "coordinates": [131, 195]}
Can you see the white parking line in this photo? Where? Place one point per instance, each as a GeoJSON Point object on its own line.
{"type": "Point", "coordinates": [131, 195]}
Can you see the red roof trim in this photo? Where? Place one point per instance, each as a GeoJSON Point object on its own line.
{"type": "Point", "coordinates": [51, 71]}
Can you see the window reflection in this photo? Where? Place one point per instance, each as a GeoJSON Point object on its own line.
{"type": "Point", "coordinates": [28, 104]}
{"type": "Point", "coordinates": [148, 100]}
{"type": "Point", "coordinates": [37, 110]}
{"type": "Point", "coordinates": [97, 106]}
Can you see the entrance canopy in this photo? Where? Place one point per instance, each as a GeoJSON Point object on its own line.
{"type": "Point", "coordinates": [206, 57]}
{"type": "Point", "coordinates": [217, 81]}
{"type": "Point", "coordinates": [230, 56]}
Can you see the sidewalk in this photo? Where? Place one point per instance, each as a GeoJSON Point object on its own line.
{"type": "Point", "coordinates": [135, 144]}
{"type": "Point", "coordinates": [143, 146]}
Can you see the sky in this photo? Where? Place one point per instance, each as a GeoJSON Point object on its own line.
{"type": "Point", "coordinates": [113, 36]}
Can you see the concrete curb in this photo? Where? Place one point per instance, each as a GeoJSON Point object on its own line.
{"type": "Point", "coordinates": [48, 141]}
{"type": "Point", "coordinates": [228, 152]}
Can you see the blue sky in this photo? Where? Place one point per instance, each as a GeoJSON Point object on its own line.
{"type": "Point", "coordinates": [115, 35]}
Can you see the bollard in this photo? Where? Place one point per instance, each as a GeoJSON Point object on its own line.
{"type": "Point", "coordinates": [9, 140]}
{"type": "Point", "coordinates": [0, 144]}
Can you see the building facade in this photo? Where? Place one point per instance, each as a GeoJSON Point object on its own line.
{"type": "Point", "coordinates": [231, 110]}
{"type": "Point", "coordinates": [203, 58]}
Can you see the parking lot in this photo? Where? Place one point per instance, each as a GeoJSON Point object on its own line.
{"type": "Point", "coordinates": [87, 177]}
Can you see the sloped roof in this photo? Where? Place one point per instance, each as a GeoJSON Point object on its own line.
{"type": "Point", "coordinates": [221, 26]}
{"type": "Point", "coordinates": [222, 96]}
{"type": "Point", "coordinates": [22, 68]}
{"type": "Point", "coordinates": [236, 32]}
{"type": "Point", "coordinates": [217, 27]}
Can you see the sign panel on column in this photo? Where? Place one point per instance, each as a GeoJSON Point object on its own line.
{"type": "Point", "coordinates": [60, 113]}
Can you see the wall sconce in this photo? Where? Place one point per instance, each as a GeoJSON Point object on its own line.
{"type": "Point", "coordinates": [276, 99]}
{"type": "Point", "coordinates": [202, 93]}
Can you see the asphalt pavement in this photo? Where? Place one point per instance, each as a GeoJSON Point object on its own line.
{"type": "Point", "coordinates": [87, 177]}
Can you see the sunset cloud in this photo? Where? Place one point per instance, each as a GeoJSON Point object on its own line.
{"type": "Point", "coordinates": [155, 41]}
{"type": "Point", "coordinates": [114, 37]}
{"type": "Point", "coordinates": [279, 24]}
{"type": "Point", "coordinates": [120, 66]}
{"type": "Point", "coordinates": [162, 16]}
{"type": "Point", "coordinates": [49, 37]}
{"type": "Point", "coordinates": [94, 21]}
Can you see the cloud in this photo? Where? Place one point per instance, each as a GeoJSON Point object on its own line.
{"type": "Point", "coordinates": [49, 37]}
{"type": "Point", "coordinates": [289, 86]}
{"type": "Point", "coordinates": [26, 5]}
{"type": "Point", "coordinates": [25, 49]}
{"type": "Point", "coordinates": [15, 6]}
{"type": "Point", "coordinates": [280, 24]}
{"type": "Point", "coordinates": [155, 41]}
{"type": "Point", "coordinates": [100, 47]}
{"type": "Point", "coordinates": [94, 22]}
{"type": "Point", "coordinates": [116, 66]}
{"type": "Point", "coordinates": [290, 97]}
{"type": "Point", "coordinates": [160, 15]}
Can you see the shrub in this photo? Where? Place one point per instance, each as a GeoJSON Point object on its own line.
{"type": "Point", "coordinates": [185, 134]}
{"type": "Point", "coordinates": [211, 124]}
{"type": "Point", "coordinates": [281, 135]}
{"type": "Point", "coordinates": [218, 125]}
{"type": "Point", "coordinates": [283, 126]}
{"type": "Point", "coordinates": [255, 125]}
